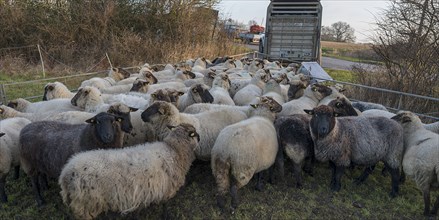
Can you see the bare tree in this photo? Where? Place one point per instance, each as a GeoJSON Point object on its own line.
{"type": "Point", "coordinates": [343, 32]}
{"type": "Point", "coordinates": [407, 41]}
{"type": "Point", "coordinates": [339, 32]}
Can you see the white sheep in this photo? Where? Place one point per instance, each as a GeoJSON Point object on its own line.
{"type": "Point", "coordinates": [273, 89]}
{"type": "Point", "coordinates": [247, 94]}
{"type": "Point", "coordinates": [197, 93]}
{"type": "Point", "coordinates": [310, 99]}
{"type": "Point", "coordinates": [9, 149]}
{"type": "Point", "coordinates": [208, 124]}
{"type": "Point", "coordinates": [56, 90]}
{"type": "Point", "coordinates": [124, 180]}
{"type": "Point", "coordinates": [114, 75]}
{"type": "Point", "coordinates": [52, 106]}
{"type": "Point", "coordinates": [243, 149]}
{"type": "Point", "coordinates": [220, 90]}
{"type": "Point", "coordinates": [421, 157]}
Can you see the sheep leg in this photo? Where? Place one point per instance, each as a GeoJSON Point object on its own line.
{"type": "Point", "coordinates": [260, 184]}
{"type": "Point", "coordinates": [339, 170]}
{"type": "Point", "coordinates": [297, 173]}
{"type": "Point", "coordinates": [271, 171]}
{"type": "Point", "coordinates": [36, 188]}
{"type": "Point", "coordinates": [367, 171]}
{"type": "Point", "coordinates": [394, 173]}
{"type": "Point", "coordinates": [222, 178]}
{"type": "Point", "coordinates": [426, 195]}
{"type": "Point", "coordinates": [16, 172]}
{"type": "Point", "coordinates": [332, 167]}
{"type": "Point", "coordinates": [42, 178]}
{"type": "Point", "coordinates": [165, 214]}
{"type": "Point", "coordinates": [435, 207]}
{"type": "Point", "coordinates": [280, 163]}
{"type": "Point", "coordinates": [308, 166]}
{"type": "Point", "coordinates": [234, 194]}
{"type": "Point", "coordinates": [3, 197]}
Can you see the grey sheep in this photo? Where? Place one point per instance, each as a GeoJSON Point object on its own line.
{"type": "Point", "coordinates": [46, 146]}
{"type": "Point", "coordinates": [123, 180]}
{"type": "Point", "coordinates": [356, 140]}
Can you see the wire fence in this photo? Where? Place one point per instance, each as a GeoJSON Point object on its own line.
{"type": "Point", "coordinates": [393, 100]}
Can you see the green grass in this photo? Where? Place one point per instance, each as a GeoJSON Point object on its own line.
{"type": "Point", "coordinates": [352, 59]}
{"type": "Point", "coordinates": [197, 200]}
{"type": "Point", "coordinates": [341, 75]}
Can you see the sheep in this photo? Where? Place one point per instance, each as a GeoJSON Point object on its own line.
{"type": "Point", "coordinates": [46, 146]}
{"type": "Point", "coordinates": [52, 106]}
{"type": "Point", "coordinates": [9, 150]}
{"type": "Point", "coordinates": [377, 113]}
{"type": "Point", "coordinates": [421, 155]}
{"type": "Point", "coordinates": [145, 75]}
{"type": "Point", "coordinates": [356, 140]}
{"type": "Point", "coordinates": [243, 149]}
{"type": "Point", "coordinates": [295, 140]}
{"type": "Point", "coordinates": [335, 94]}
{"type": "Point", "coordinates": [310, 99]}
{"type": "Point", "coordinates": [237, 84]}
{"type": "Point", "coordinates": [296, 89]}
{"type": "Point", "coordinates": [199, 64]}
{"type": "Point", "coordinates": [133, 177]}
{"type": "Point", "coordinates": [220, 90]}
{"type": "Point", "coordinates": [115, 75]}
{"type": "Point", "coordinates": [198, 93]}
{"type": "Point", "coordinates": [247, 94]}
{"type": "Point", "coordinates": [208, 124]}
{"type": "Point", "coordinates": [363, 106]}
{"type": "Point", "coordinates": [56, 90]}
{"type": "Point", "coordinates": [8, 112]}
{"type": "Point", "coordinates": [434, 127]}
{"type": "Point", "coordinates": [272, 88]}
{"type": "Point", "coordinates": [89, 99]}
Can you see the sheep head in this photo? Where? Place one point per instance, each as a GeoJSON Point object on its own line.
{"type": "Point", "coordinates": [322, 120]}
{"type": "Point", "coordinates": [200, 93]}
{"type": "Point", "coordinates": [106, 126]}
{"type": "Point", "coordinates": [343, 107]}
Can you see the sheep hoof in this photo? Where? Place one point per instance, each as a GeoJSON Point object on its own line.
{"type": "Point", "coordinates": [335, 187]}
{"type": "Point", "coordinates": [259, 187]}
{"type": "Point", "coordinates": [221, 202]}
{"type": "Point", "coordinates": [393, 194]}
{"type": "Point", "coordinates": [299, 186]}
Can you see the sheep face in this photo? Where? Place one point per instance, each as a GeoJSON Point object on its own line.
{"type": "Point", "coordinates": [82, 96]}
{"type": "Point", "coordinates": [160, 113]}
{"type": "Point", "coordinates": [189, 74]}
{"type": "Point", "coordinates": [119, 74]}
{"type": "Point", "coordinates": [123, 111]}
{"type": "Point", "coordinates": [47, 89]}
{"type": "Point", "coordinates": [18, 104]}
{"type": "Point", "coordinates": [296, 89]}
{"type": "Point", "coordinates": [342, 107]}
{"type": "Point", "coordinates": [222, 80]}
{"type": "Point", "coordinates": [320, 91]}
{"type": "Point", "coordinates": [200, 93]}
{"type": "Point", "coordinates": [140, 85]}
{"type": "Point", "coordinates": [106, 126]}
{"type": "Point", "coordinates": [322, 121]}
{"type": "Point", "coordinates": [150, 77]}
{"type": "Point", "coordinates": [406, 119]}
{"type": "Point", "coordinates": [174, 96]}
{"type": "Point", "coordinates": [184, 131]}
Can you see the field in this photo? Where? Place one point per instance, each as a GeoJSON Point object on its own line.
{"type": "Point", "coordinates": [197, 200]}
{"type": "Point", "coordinates": [349, 51]}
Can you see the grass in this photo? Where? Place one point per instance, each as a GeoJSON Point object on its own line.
{"type": "Point", "coordinates": [197, 200]}
{"type": "Point", "coordinates": [361, 53]}
{"type": "Point", "coordinates": [341, 75]}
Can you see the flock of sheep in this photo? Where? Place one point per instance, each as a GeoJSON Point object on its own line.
{"type": "Point", "coordinates": [128, 140]}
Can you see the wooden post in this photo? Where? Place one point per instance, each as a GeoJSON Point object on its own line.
{"type": "Point", "coordinates": [3, 94]}
{"type": "Point", "coordinates": [109, 61]}
{"type": "Point", "coordinates": [42, 62]}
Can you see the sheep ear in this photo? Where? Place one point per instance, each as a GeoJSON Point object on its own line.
{"type": "Point", "coordinates": [91, 121]}
{"type": "Point", "coordinates": [145, 83]}
{"type": "Point", "coordinates": [171, 127]}
{"type": "Point", "coordinates": [115, 69]}
{"type": "Point", "coordinates": [212, 75]}
{"type": "Point", "coordinates": [161, 111]}
{"type": "Point", "coordinates": [254, 105]}
{"type": "Point", "coordinates": [1, 134]}
{"type": "Point", "coordinates": [133, 109]}
{"type": "Point", "coordinates": [50, 87]}
{"type": "Point", "coordinates": [309, 112]}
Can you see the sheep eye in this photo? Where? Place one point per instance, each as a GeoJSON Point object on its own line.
{"type": "Point", "coordinates": [192, 134]}
{"type": "Point", "coordinates": [194, 90]}
{"type": "Point", "coordinates": [314, 89]}
{"type": "Point", "coordinates": [119, 119]}
{"type": "Point", "coordinates": [335, 114]}
{"type": "Point", "coordinates": [338, 105]}
{"type": "Point", "coordinates": [271, 108]}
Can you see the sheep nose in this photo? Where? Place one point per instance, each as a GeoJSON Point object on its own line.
{"type": "Point", "coordinates": [323, 130]}
{"type": "Point", "coordinates": [108, 138]}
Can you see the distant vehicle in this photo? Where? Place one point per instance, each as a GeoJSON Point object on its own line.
{"type": "Point", "coordinates": [292, 31]}
{"type": "Point", "coordinates": [253, 35]}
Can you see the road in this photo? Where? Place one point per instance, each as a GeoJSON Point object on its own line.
{"type": "Point", "coordinates": [328, 62]}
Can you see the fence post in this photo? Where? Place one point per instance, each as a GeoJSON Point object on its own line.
{"type": "Point", "coordinates": [42, 62]}
{"type": "Point", "coordinates": [108, 58]}
{"type": "Point", "coordinates": [399, 102]}
{"type": "Point", "coordinates": [3, 94]}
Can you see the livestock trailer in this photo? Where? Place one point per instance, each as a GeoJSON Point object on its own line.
{"type": "Point", "coordinates": [292, 31]}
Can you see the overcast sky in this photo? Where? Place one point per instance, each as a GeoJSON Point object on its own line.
{"type": "Point", "coordinates": [357, 13]}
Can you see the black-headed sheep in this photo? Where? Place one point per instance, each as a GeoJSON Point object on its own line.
{"type": "Point", "coordinates": [356, 140]}
{"type": "Point", "coordinates": [47, 145]}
